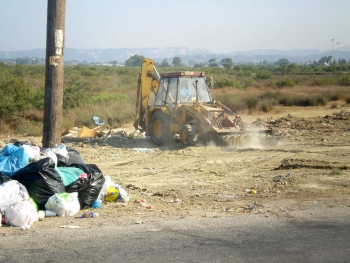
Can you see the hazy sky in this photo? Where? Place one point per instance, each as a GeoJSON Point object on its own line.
{"type": "Point", "coordinates": [215, 25]}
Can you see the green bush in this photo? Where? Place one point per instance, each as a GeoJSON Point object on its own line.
{"type": "Point", "coordinates": [286, 83]}
{"type": "Point", "coordinates": [248, 82]}
{"type": "Point", "coordinates": [235, 103]}
{"type": "Point", "coordinates": [324, 81]}
{"type": "Point", "coordinates": [267, 105]}
{"type": "Point", "coordinates": [271, 95]}
{"type": "Point", "coordinates": [263, 74]}
{"type": "Point", "coordinates": [14, 93]}
{"type": "Point", "coordinates": [302, 101]}
{"type": "Point", "coordinates": [88, 72]}
{"type": "Point", "coordinates": [104, 98]}
{"type": "Point", "coordinates": [227, 82]}
{"type": "Point", "coordinates": [251, 102]}
{"type": "Point", "coordinates": [344, 81]}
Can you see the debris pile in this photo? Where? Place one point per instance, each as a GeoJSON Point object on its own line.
{"type": "Point", "coordinates": [38, 182]}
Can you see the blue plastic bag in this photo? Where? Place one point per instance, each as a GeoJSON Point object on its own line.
{"type": "Point", "coordinates": [14, 158]}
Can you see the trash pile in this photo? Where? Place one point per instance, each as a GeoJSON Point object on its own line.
{"type": "Point", "coordinates": [38, 182]}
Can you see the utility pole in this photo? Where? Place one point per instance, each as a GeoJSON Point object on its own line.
{"type": "Point", "coordinates": [54, 73]}
{"type": "Point", "coordinates": [332, 48]}
{"type": "Point", "coordinates": [338, 52]}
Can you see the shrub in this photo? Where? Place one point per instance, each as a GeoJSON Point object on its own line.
{"type": "Point", "coordinates": [251, 102]}
{"type": "Point", "coordinates": [28, 127]}
{"type": "Point", "coordinates": [322, 82]}
{"type": "Point", "coordinates": [14, 93]}
{"type": "Point", "coordinates": [263, 74]}
{"type": "Point", "coordinates": [302, 101]}
{"type": "Point", "coordinates": [104, 98]}
{"type": "Point", "coordinates": [88, 72]}
{"type": "Point", "coordinates": [248, 82]}
{"type": "Point", "coordinates": [334, 96]}
{"type": "Point", "coordinates": [344, 81]}
{"type": "Point", "coordinates": [227, 82]}
{"type": "Point", "coordinates": [233, 102]}
{"type": "Point", "coordinates": [335, 172]}
{"type": "Point", "coordinates": [271, 95]}
{"type": "Point", "coordinates": [267, 105]}
{"type": "Point", "coordinates": [286, 83]}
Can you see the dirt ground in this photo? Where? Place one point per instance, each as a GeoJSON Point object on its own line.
{"type": "Point", "coordinates": [308, 169]}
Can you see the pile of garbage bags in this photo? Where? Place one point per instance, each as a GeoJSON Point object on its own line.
{"type": "Point", "coordinates": [35, 182]}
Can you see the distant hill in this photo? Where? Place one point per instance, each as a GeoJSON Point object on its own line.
{"type": "Point", "coordinates": [186, 54]}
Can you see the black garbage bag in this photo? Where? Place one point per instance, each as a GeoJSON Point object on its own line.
{"type": "Point", "coordinates": [74, 156]}
{"type": "Point", "coordinates": [88, 189]}
{"type": "Point", "coordinates": [20, 143]}
{"type": "Point", "coordinates": [4, 178]}
{"type": "Point", "coordinates": [41, 180]}
{"type": "Point", "coordinates": [62, 161]}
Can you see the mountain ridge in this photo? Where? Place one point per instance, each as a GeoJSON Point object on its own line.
{"type": "Point", "coordinates": [186, 54]}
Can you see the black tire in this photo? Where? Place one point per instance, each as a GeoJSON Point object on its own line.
{"type": "Point", "coordinates": [188, 135]}
{"type": "Point", "coordinates": [160, 129]}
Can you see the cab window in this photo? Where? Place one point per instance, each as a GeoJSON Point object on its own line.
{"type": "Point", "coordinates": [171, 92]}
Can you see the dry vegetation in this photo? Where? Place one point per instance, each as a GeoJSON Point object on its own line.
{"type": "Point", "coordinates": [110, 92]}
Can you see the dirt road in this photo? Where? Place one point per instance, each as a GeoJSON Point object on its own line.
{"type": "Point", "coordinates": [307, 170]}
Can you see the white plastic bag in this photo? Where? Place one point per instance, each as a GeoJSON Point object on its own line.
{"type": "Point", "coordinates": [108, 183]}
{"type": "Point", "coordinates": [11, 193]}
{"type": "Point", "coordinates": [48, 153]}
{"type": "Point", "coordinates": [63, 204]}
{"type": "Point", "coordinates": [32, 151]}
{"type": "Point", "coordinates": [23, 215]}
{"type": "Point", "coordinates": [116, 193]}
{"type": "Point", "coordinates": [61, 150]}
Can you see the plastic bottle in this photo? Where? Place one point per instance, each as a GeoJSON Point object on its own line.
{"type": "Point", "coordinates": [89, 215]}
{"type": "Point", "coordinates": [50, 213]}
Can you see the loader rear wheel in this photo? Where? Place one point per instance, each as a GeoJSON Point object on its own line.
{"type": "Point", "coordinates": [160, 129]}
{"type": "Point", "coordinates": [188, 135]}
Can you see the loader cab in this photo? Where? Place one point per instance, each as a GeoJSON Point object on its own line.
{"type": "Point", "coordinates": [182, 87]}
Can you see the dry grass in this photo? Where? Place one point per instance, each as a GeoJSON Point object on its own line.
{"type": "Point", "coordinates": [265, 98]}
{"type": "Point", "coordinates": [114, 113]}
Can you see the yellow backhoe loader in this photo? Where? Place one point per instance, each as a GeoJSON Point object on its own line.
{"type": "Point", "coordinates": [179, 105]}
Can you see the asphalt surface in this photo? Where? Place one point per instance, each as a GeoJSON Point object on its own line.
{"type": "Point", "coordinates": [243, 238]}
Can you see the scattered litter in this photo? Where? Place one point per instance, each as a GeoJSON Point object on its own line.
{"type": "Point", "coordinates": [86, 132]}
{"type": "Point", "coordinates": [72, 227]}
{"type": "Point", "coordinates": [89, 215]}
{"type": "Point", "coordinates": [251, 191]}
{"type": "Point", "coordinates": [142, 150]}
{"type": "Point", "coordinates": [139, 222]}
{"type": "Point", "coordinates": [281, 178]}
{"type": "Point", "coordinates": [96, 204]}
{"type": "Point", "coordinates": [49, 213]}
{"type": "Point", "coordinates": [143, 203]}
{"type": "Point", "coordinates": [253, 205]}
{"type": "Point", "coordinates": [137, 135]}
{"type": "Point", "coordinates": [115, 193]}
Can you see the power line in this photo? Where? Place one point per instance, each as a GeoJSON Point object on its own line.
{"type": "Point", "coordinates": [267, 3]}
